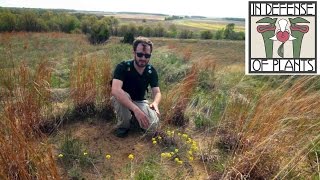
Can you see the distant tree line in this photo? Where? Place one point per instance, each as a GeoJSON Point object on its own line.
{"type": "Point", "coordinates": [229, 33]}
{"type": "Point", "coordinates": [168, 18]}
{"type": "Point", "coordinates": [235, 19]}
{"type": "Point", "coordinates": [97, 28]}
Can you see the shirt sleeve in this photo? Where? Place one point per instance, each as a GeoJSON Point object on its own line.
{"type": "Point", "coordinates": [154, 79]}
{"type": "Point", "coordinates": [119, 72]}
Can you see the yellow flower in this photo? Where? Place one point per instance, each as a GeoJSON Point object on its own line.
{"type": "Point", "coordinates": [169, 155]}
{"type": "Point", "coordinates": [176, 150]}
{"type": "Point", "coordinates": [153, 139]}
{"type": "Point", "coordinates": [176, 159]}
{"type": "Point", "coordinates": [85, 153]}
{"type": "Point", "coordinates": [185, 136]}
{"type": "Point", "coordinates": [179, 134]}
{"type": "Point", "coordinates": [169, 132]}
{"type": "Point", "coordinates": [154, 142]}
{"type": "Point", "coordinates": [180, 162]}
{"type": "Point", "coordinates": [195, 148]}
{"type": "Point", "coordinates": [60, 155]}
{"type": "Point", "coordinates": [131, 157]}
{"type": "Point", "coordinates": [190, 152]}
{"type": "Point", "coordinates": [159, 137]}
{"type": "Point", "coordinates": [172, 153]}
{"type": "Point", "coordinates": [191, 158]}
{"type": "Point", "coordinates": [108, 156]}
{"type": "Point", "coordinates": [163, 154]}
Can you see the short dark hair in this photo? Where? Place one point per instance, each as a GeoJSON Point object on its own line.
{"type": "Point", "coordinates": [144, 41]}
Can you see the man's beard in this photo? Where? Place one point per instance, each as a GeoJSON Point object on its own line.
{"type": "Point", "coordinates": [141, 65]}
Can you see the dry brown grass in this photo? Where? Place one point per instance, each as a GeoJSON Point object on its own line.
{"type": "Point", "coordinates": [187, 52]}
{"type": "Point", "coordinates": [172, 45]}
{"type": "Point", "coordinates": [275, 136]}
{"type": "Point", "coordinates": [83, 83]}
{"type": "Point", "coordinates": [176, 100]}
{"type": "Point", "coordinates": [22, 156]}
{"type": "Point", "coordinates": [27, 97]}
{"type": "Point", "coordinates": [105, 77]}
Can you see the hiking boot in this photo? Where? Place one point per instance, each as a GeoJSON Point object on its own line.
{"type": "Point", "coordinates": [134, 124]}
{"type": "Point", "coordinates": [121, 132]}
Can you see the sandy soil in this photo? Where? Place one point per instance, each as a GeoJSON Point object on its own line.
{"type": "Point", "coordinates": [97, 135]}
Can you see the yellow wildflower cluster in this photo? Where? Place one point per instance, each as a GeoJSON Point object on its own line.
{"type": "Point", "coordinates": [178, 161]}
{"type": "Point", "coordinates": [188, 142]}
{"type": "Point", "coordinates": [185, 136]}
{"type": "Point", "coordinates": [170, 133]}
{"type": "Point", "coordinates": [131, 156]}
{"type": "Point", "coordinates": [167, 154]}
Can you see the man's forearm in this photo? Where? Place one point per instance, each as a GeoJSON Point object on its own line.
{"type": "Point", "coordinates": [124, 99]}
{"type": "Point", "coordinates": [157, 97]}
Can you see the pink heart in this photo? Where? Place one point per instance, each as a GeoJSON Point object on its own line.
{"type": "Point", "coordinates": [283, 36]}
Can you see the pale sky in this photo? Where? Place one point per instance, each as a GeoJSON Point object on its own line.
{"type": "Point", "coordinates": [209, 8]}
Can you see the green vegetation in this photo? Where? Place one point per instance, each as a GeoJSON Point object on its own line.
{"type": "Point", "coordinates": [99, 28]}
{"type": "Point", "coordinates": [72, 152]}
{"type": "Point", "coordinates": [173, 18]}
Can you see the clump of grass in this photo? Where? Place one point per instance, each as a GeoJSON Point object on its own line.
{"type": "Point", "coordinates": [104, 89]}
{"type": "Point", "coordinates": [24, 105]}
{"type": "Point", "coordinates": [206, 103]}
{"type": "Point", "coordinates": [22, 156]}
{"type": "Point", "coordinates": [83, 85]}
{"type": "Point", "coordinates": [176, 101]}
{"type": "Point", "coordinates": [314, 159]}
{"type": "Point", "coordinates": [73, 151]}
{"type": "Point", "coordinates": [29, 95]}
{"type": "Point", "coordinates": [274, 135]}
{"type": "Point", "coordinates": [150, 168]}
{"type": "Point", "coordinates": [187, 52]}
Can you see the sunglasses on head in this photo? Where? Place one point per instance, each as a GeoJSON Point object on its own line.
{"type": "Point", "coordinates": [139, 54]}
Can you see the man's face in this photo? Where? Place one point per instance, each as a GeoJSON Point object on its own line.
{"type": "Point", "coordinates": [142, 55]}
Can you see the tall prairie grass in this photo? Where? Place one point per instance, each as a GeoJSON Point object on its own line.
{"type": "Point", "coordinates": [104, 88]}
{"type": "Point", "coordinates": [90, 85]}
{"type": "Point", "coordinates": [272, 136]}
{"type": "Point", "coordinates": [27, 95]}
{"type": "Point", "coordinates": [177, 99]}
{"type": "Point", "coordinates": [23, 109]}
{"type": "Point", "coordinates": [83, 84]}
{"type": "Point", "coordinates": [22, 156]}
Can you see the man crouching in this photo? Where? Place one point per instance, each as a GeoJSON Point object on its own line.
{"type": "Point", "coordinates": [129, 84]}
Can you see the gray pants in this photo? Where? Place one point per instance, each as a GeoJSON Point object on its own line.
{"type": "Point", "coordinates": [124, 115]}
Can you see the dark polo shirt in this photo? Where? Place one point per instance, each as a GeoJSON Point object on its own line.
{"type": "Point", "coordinates": [134, 83]}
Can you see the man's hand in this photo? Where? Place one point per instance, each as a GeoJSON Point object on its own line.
{"type": "Point", "coordinates": [142, 118]}
{"type": "Point", "coordinates": [154, 106]}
